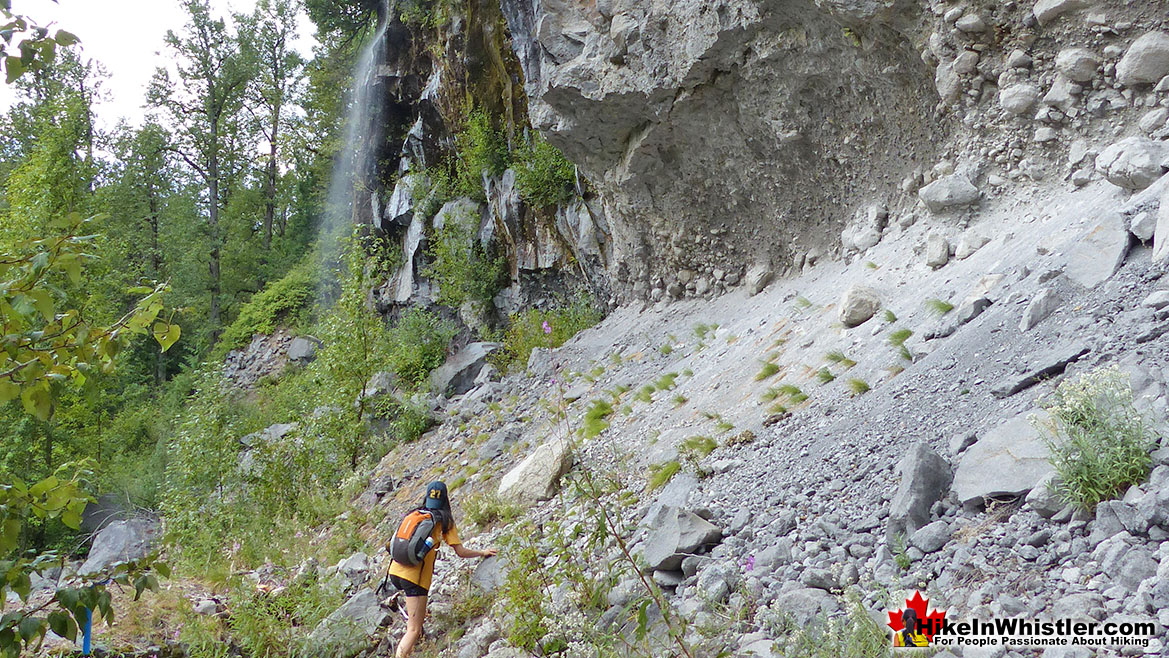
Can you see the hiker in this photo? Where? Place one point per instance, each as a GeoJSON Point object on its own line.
{"type": "Point", "coordinates": [911, 635]}
{"type": "Point", "coordinates": [414, 581]}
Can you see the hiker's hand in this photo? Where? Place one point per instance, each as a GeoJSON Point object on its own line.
{"type": "Point", "coordinates": [490, 552]}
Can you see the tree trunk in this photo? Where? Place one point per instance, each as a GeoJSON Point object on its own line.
{"type": "Point", "coordinates": [270, 184]}
{"type": "Point", "coordinates": [213, 226]}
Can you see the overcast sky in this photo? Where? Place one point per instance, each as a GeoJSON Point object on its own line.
{"type": "Point", "coordinates": [126, 37]}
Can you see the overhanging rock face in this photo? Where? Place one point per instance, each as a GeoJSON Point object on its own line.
{"type": "Point", "coordinates": [721, 133]}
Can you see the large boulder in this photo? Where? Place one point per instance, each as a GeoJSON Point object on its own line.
{"type": "Point", "coordinates": [1099, 252]}
{"type": "Point", "coordinates": [1133, 163]}
{"type": "Point", "coordinates": [302, 350]}
{"type": "Point", "coordinates": [925, 479]}
{"type": "Point", "coordinates": [858, 304]}
{"type": "Point", "coordinates": [537, 477]}
{"type": "Point", "coordinates": [1019, 98]}
{"type": "Point", "coordinates": [350, 629]}
{"type": "Point", "coordinates": [949, 192]}
{"type": "Point", "coordinates": [1161, 234]}
{"type": "Point", "coordinates": [120, 541]}
{"type": "Point", "coordinates": [1047, 11]}
{"type": "Point", "coordinates": [1007, 461]}
{"type": "Point", "coordinates": [1146, 61]}
{"type": "Point", "coordinates": [457, 375]}
{"type": "Point", "coordinates": [807, 605]}
{"type": "Point", "coordinates": [1078, 64]}
{"type": "Point", "coordinates": [674, 534]}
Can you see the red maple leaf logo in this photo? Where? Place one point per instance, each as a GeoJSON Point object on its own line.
{"type": "Point", "coordinates": [930, 623]}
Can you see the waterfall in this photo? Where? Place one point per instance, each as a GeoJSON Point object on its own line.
{"type": "Point", "coordinates": [349, 200]}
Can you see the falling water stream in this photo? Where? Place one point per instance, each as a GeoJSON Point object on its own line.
{"type": "Point", "coordinates": [363, 127]}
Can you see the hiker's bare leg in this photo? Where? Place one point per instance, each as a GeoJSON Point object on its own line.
{"type": "Point", "coordinates": [416, 610]}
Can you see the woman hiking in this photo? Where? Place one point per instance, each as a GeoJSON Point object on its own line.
{"type": "Point", "coordinates": [414, 581]}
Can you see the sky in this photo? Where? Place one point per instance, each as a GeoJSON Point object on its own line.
{"type": "Point", "coordinates": [126, 37]}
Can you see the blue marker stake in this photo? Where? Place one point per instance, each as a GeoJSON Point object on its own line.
{"type": "Point", "coordinates": [88, 631]}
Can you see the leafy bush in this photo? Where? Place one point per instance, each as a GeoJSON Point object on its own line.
{"type": "Point", "coordinates": [660, 474]}
{"type": "Point", "coordinates": [527, 331]}
{"type": "Point", "coordinates": [1099, 443]}
{"type": "Point", "coordinates": [431, 188]}
{"type": "Point", "coordinates": [594, 419]}
{"type": "Point", "coordinates": [279, 302]}
{"type": "Point", "coordinates": [417, 345]}
{"type": "Point", "coordinates": [460, 266]}
{"type": "Point", "coordinates": [481, 150]}
{"type": "Point", "coordinates": [544, 177]}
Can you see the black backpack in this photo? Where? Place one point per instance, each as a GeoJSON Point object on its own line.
{"type": "Point", "coordinates": [412, 541]}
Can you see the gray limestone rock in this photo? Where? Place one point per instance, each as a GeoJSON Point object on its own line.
{"type": "Point", "coordinates": [1046, 11]}
{"type": "Point", "coordinates": [1039, 308]}
{"type": "Point", "coordinates": [1008, 460]}
{"type": "Point", "coordinates": [1039, 366]}
{"type": "Point", "coordinates": [858, 304]}
{"type": "Point", "coordinates": [1143, 226]}
{"type": "Point", "coordinates": [349, 629]}
{"type": "Point", "coordinates": [937, 250]}
{"type": "Point", "coordinates": [1077, 64]}
{"type": "Point", "coordinates": [932, 537]}
{"type": "Point", "coordinates": [1045, 499]}
{"type": "Point", "coordinates": [806, 605]}
{"type": "Point", "coordinates": [1146, 61]}
{"type": "Point", "coordinates": [1019, 99]}
{"type": "Point", "coordinates": [949, 192]}
{"type": "Point", "coordinates": [537, 477]}
{"type": "Point", "coordinates": [675, 533]}
{"type": "Point", "coordinates": [457, 375]}
{"type": "Point", "coordinates": [1133, 163]}
{"type": "Point", "coordinates": [925, 479]}
{"type": "Point", "coordinates": [1099, 251]}
{"type": "Point", "coordinates": [120, 541]}
{"type": "Point", "coordinates": [1161, 236]}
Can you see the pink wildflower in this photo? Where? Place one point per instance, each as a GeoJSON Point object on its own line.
{"type": "Point", "coordinates": [547, 327]}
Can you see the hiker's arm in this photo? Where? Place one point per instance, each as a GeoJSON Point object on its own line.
{"type": "Point", "coordinates": [464, 552]}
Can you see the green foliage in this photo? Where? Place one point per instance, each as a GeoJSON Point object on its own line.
{"type": "Point", "coordinates": [838, 357]}
{"type": "Point", "coordinates": [890, 316]}
{"type": "Point", "coordinates": [1098, 441]}
{"type": "Point", "coordinates": [701, 330]}
{"type": "Point", "coordinates": [938, 306]}
{"type": "Point", "coordinates": [418, 344]}
{"type": "Point", "coordinates": [855, 635]}
{"type": "Point", "coordinates": [544, 177]}
{"type": "Point", "coordinates": [485, 510]}
{"type": "Point", "coordinates": [768, 370]}
{"type": "Point", "coordinates": [858, 386]}
{"type": "Point", "coordinates": [429, 14]}
{"type": "Point", "coordinates": [60, 496]}
{"type": "Point", "coordinates": [462, 269]}
{"type": "Point", "coordinates": [281, 302]}
{"type": "Point", "coordinates": [803, 303]}
{"type": "Point", "coordinates": [45, 342]}
{"type": "Point", "coordinates": [660, 474]}
{"type": "Point", "coordinates": [898, 338]}
{"type": "Point", "coordinates": [679, 400]}
{"type": "Point", "coordinates": [481, 150]}
{"type": "Point", "coordinates": [825, 376]}
{"type": "Point", "coordinates": [523, 589]}
{"type": "Point", "coordinates": [594, 419]}
{"type": "Point", "coordinates": [646, 394]}
{"type": "Point", "coordinates": [526, 330]}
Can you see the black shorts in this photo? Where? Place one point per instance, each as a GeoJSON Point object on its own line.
{"type": "Point", "coordinates": [409, 588]}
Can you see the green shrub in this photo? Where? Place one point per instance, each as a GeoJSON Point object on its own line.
{"type": "Point", "coordinates": [544, 177]}
{"type": "Point", "coordinates": [1098, 441]}
{"type": "Point", "coordinates": [280, 301]}
{"type": "Point", "coordinates": [768, 370]}
{"type": "Point", "coordinates": [855, 635]}
{"type": "Point", "coordinates": [483, 510]}
{"type": "Point", "coordinates": [417, 345]}
{"type": "Point", "coordinates": [481, 149]}
{"type": "Point", "coordinates": [660, 474]}
{"type": "Point", "coordinates": [431, 188]}
{"type": "Point", "coordinates": [594, 419]}
{"type": "Point", "coordinates": [527, 331]}
{"type": "Point", "coordinates": [938, 306]}
{"type": "Point", "coordinates": [825, 376]}
{"type": "Point", "coordinates": [858, 386]}
{"type": "Point", "coordinates": [898, 338]}
{"type": "Point", "coordinates": [460, 266]}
